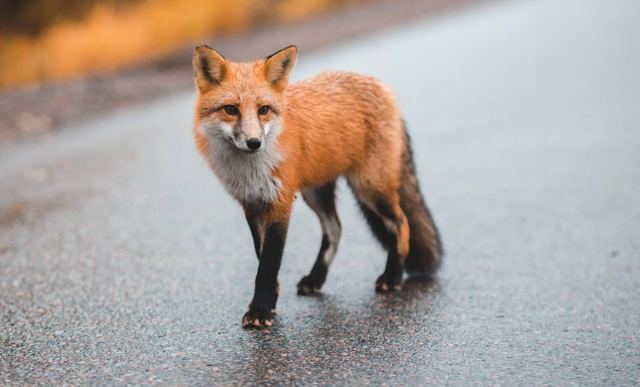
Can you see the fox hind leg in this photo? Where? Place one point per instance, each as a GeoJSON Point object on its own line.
{"type": "Point", "coordinates": [390, 226]}
{"type": "Point", "coordinates": [321, 200]}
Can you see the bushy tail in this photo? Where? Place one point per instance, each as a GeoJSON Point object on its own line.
{"type": "Point", "coordinates": [425, 248]}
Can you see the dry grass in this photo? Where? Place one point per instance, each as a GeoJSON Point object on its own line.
{"type": "Point", "coordinates": [109, 38]}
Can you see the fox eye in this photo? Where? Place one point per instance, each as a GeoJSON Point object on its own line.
{"type": "Point", "coordinates": [231, 110]}
{"type": "Point", "coordinates": [263, 110]}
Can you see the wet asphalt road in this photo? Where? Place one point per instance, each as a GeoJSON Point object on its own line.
{"type": "Point", "coordinates": [123, 261]}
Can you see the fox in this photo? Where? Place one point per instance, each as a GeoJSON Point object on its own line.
{"type": "Point", "coordinates": [267, 140]}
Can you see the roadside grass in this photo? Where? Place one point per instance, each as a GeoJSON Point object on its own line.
{"type": "Point", "coordinates": [109, 37]}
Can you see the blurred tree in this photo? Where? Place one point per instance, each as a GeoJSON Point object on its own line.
{"type": "Point", "coordinates": [31, 17]}
{"type": "Point", "coordinates": [54, 39]}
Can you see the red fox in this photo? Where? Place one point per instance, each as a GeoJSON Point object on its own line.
{"type": "Point", "coordinates": [266, 140]}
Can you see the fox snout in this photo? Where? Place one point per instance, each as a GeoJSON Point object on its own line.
{"type": "Point", "coordinates": [249, 144]}
{"type": "Point", "coordinates": [249, 140]}
{"type": "Point", "coordinates": [254, 143]}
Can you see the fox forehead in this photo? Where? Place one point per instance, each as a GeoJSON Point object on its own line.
{"type": "Point", "coordinates": [245, 86]}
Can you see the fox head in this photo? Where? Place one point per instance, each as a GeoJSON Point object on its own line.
{"type": "Point", "coordinates": [241, 103]}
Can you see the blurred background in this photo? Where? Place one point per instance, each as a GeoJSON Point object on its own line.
{"type": "Point", "coordinates": [101, 54]}
{"type": "Point", "coordinates": [54, 39]}
{"type": "Point", "coordinates": [123, 261]}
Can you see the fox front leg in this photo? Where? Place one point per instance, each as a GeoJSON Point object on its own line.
{"type": "Point", "coordinates": [256, 225]}
{"type": "Point", "coordinates": [269, 249]}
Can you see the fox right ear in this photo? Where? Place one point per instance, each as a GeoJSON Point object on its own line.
{"type": "Point", "coordinates": [279, 64]}
{"type": "Point", "coordinates": [210, 67]}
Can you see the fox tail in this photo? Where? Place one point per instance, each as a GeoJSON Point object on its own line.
{"type": "Point", "coordinates": [425, 247]}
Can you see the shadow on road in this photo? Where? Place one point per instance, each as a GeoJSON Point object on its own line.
{"type": "Point", "coordinates": [342, 341]}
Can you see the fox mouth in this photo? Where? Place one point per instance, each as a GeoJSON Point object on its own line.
{"type": "Point", "coordinates": [246, 150]}
{"type": "Point", "coordinates": [234, 144]}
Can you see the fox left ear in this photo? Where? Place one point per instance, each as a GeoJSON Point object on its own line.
{"type": "Point", "coordinates": [279, 64]}
{"type": "Point", "coordinates": [210, 67]}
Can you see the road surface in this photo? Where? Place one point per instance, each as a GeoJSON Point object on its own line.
{"type": "Point", "coordinates": [122, 260]}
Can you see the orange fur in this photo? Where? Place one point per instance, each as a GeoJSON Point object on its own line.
{"type": "Point", "coordinates": [267, 140]}
{"type": "Point", "coordinates": [333, 124]}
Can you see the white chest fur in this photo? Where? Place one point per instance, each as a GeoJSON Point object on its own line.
{"type": "Point", "coordinates": [246, 176]}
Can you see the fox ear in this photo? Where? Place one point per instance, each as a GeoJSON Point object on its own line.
{"type": "Point", "coordinates": [210, 67]}
{"type": "Point", "coordinates": [279, 64]}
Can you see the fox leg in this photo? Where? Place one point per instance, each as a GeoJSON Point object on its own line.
{"type": "Point", "coordinates": [395, 221]}
{"type": "Point", "coordinates": [254, 220]}
{"type": "Point", "coordinates": [256, 225]}
{"type": "Point", "coordinates": [322, 201]}
{"type": "Point", "coordinates": [270, 224]}
{"type": "Point", "coordinates": [390, 226]}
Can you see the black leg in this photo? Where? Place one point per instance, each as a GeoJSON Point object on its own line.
{"type": "Point", "coordinates": [266, 287]}
{"type": "Point", "coordinates": [376, 224]}
{"type": "Point", "coordinates": [322, 201]}
{"type": "Point", "coordinates": [391, 278]}
{"type": "Point", "coordinates": [254, 225]}
{"type": "Point", "coordinates": [312, 283]}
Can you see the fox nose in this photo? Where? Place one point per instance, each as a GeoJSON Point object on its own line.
{"type": "Point", "coordinates": [253, 143]}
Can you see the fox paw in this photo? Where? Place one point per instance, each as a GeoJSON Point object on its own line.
{"type": "Point", "coordinates": [387, 283]}
{"type": "Point", "coordinates": [255, 318]}
{"type": "Point", "coordinates": [308, 285]}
